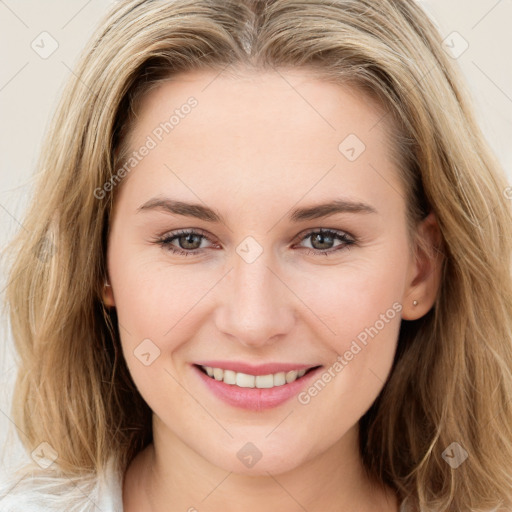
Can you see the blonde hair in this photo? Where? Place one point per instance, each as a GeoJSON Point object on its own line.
{"type": "Point", "coordinates": [451, 380]}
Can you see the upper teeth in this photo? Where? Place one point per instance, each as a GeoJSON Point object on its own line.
{"type": "Point", "coordinates": [244, 380]}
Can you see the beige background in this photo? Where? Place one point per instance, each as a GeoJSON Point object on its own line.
{"type": "Point", "coordinates": [30, 85]}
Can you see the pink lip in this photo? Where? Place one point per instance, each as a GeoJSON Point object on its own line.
{"type": "Point", "coordinates": [255, 399]}
{"type": "Point", "coordinates": [257, 369]}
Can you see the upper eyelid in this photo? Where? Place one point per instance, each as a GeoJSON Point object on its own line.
{"type": "Point", "coordinates": [181, 232]}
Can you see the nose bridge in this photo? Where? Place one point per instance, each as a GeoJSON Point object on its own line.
{"type": "Point", "coordinates": [254, 307]}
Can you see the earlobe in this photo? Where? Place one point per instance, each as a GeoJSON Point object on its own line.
{"type": "Point", "coordinates": [108, 295]}
{"type": "Point", "coordinates": [425, 275]}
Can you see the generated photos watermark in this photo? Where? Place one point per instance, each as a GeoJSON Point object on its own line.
{"type": "Point", "coordinates": [355, 348]}
{"type": "Point", "coordinates": [151, 142]}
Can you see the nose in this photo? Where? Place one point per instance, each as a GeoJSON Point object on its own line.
{"type": "Point", "coordinates": [256, 307]}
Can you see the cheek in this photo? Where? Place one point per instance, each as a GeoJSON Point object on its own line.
{"type": "Point", "coordinates": [363, 309]}
{"type": "Point", "coordinates": [153, 295]}
{"type": "Point", "coordinates": [155, 308]}
{"type": "Point", "coordinates": [157, 305]}
{"type": "Point", "coordinates": [360, 305]}
{"type": "Point", "coordinates": [351, 299]}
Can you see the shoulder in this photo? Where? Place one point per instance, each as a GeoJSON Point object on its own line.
{"type": "Point", "coordinates": [38, 490]}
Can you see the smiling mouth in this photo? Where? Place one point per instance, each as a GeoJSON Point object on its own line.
{"type": "Point", "coordinates": [244, 380]}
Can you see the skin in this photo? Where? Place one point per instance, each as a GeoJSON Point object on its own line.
{"type": "Point", "coordinates": [257, 146]}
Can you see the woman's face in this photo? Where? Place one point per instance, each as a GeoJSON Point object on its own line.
{"type": "Point", "coordinates": [245, 164]}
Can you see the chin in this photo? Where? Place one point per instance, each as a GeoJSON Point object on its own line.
{"type": "Point", "coordinates": [259, 458]}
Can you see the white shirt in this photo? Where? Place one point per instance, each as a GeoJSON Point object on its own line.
{"type": "Point", "coordinates": [44, 491]}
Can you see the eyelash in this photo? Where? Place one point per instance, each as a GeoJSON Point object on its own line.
{"type": "Point", "coordinates": [166, 240]}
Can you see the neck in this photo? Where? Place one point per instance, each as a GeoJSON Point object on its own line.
{"type": "Point", "coordinates": [168, 475]}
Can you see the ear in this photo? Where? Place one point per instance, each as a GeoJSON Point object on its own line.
{"type": "Point", "coordinates": [108, 295]}
{"type": "Point", "coordinates": [424, 276]}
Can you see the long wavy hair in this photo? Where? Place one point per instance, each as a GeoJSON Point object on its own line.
{"type": "Point", "coordinates": [451, 380]}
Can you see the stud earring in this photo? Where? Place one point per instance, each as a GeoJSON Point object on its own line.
{"type": "Point", "coordinates": [414, 302]}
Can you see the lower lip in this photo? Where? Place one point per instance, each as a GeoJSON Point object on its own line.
{"type": "Point", "coordinates": [255, 399]}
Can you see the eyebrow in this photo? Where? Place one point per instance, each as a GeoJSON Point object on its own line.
{"type": "Point", "coordinates": [207, 214]}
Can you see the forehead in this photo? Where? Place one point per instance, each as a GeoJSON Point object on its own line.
{"type": "Point", "coordinates": [255, 128]}
{"type": "Point", "coordinates": [265, 98]}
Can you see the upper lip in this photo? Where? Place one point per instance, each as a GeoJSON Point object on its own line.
{"type": "Point", "coordinates": [255, 369]}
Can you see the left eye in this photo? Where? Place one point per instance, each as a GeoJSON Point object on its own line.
{"type": "Point", "coordinates": [189, 241]}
